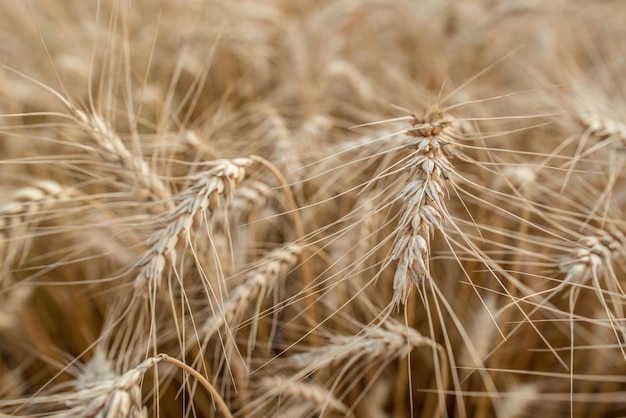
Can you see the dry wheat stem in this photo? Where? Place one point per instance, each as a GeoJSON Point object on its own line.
{"type": "Point", "coordinates": [205, 383]}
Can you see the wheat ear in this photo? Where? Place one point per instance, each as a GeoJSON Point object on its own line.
{"type": "Point", "coordinates": [202, 197]}
{"type": "Point", "coordinates": [102, 393]}
{"type": "Point", "coordinates": [15, 212]}
{"type": "Point", "coordinates": [273, 267]}
{"type": "Point", "coordinates": [390, 340]}
{"type": "Point", "coordinates": [112, 150]}
{"type": "Point", "coordinates": [318, 398]}
{"type": "Point", "coordinates": [24, 203]}
{"type": "Point", "coordinates": [117, 396]}
{"type": "Point", "coordinates": [593, 260]}
{"type": "Point", "coordinates": [423, 196]}
{"type": "Point", "coordinates": [594, 254]}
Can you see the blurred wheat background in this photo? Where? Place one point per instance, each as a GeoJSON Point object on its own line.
{"type": "Point", "coordinates": [302, 208]}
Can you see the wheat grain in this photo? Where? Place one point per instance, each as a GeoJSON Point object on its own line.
{"type": "Point", "coordinates": [250, 197]}
{"type": "Point", "coordinates": [593, 262]}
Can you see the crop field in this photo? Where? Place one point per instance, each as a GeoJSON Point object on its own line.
{"type": "Point", "coordinates": [312, 208]}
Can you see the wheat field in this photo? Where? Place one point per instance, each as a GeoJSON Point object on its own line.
{"type": "Point", "coordinates": [302, 208]}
